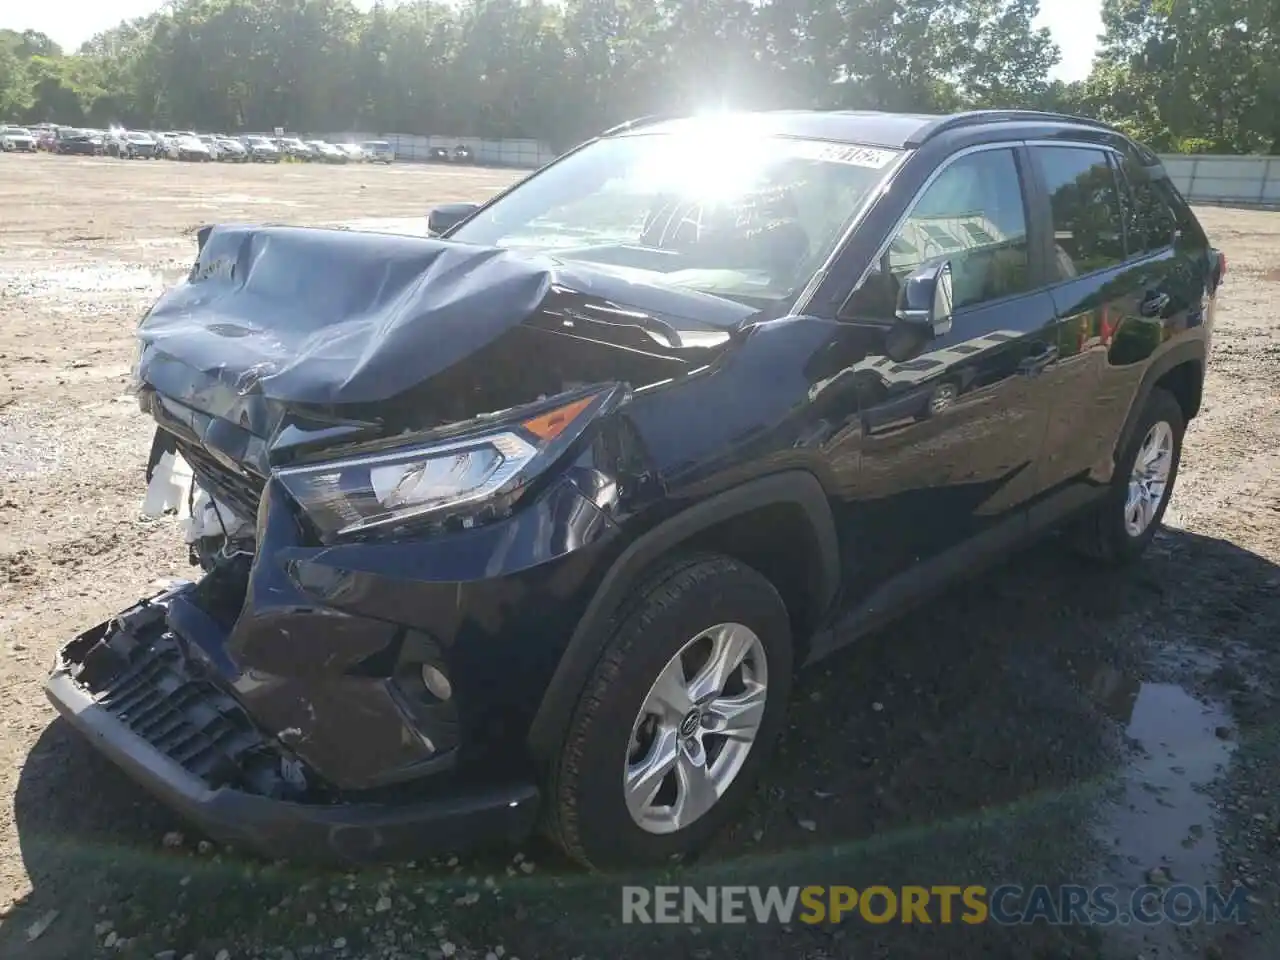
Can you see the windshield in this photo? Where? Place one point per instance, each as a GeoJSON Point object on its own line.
{"type": "Point", "coordinates": [15, 131]}
{"type": "Point", "coordinates": [740, 216]}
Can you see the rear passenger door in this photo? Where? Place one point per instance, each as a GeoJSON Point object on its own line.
{"type": "Point", "coordinates": [1111, 253]}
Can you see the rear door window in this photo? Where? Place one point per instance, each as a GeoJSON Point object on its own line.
{"type": "Point", "coordinates": [1088, 217]}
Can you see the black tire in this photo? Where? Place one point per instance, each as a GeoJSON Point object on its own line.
{"type": "Point", "coordinates": [1101, 535]}
{"type": "Point", "coordinates": [585, 811]}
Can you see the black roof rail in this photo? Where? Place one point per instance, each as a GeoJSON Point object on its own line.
{"type": "Point", "coordinates": [973, 117]}
{"type": "Point", "coordinates": [644, 121]}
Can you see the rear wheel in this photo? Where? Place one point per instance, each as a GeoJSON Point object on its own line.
{"type": "Point", "coordinates": [1119, 528]}
{"type": "Point", "coordinates": [678, 718]}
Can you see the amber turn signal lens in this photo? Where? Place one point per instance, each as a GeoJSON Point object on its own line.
{"type": "Point", "coordinates": [549, 425]}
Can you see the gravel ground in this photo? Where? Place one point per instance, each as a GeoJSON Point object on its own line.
{"type": "Point", "coordinates": [1046, 723]}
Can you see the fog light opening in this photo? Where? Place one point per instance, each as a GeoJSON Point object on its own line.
{"type": "Point", "coordinates": [436, 682]}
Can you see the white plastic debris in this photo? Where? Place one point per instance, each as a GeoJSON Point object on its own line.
{"type": "Point", "coordinates": [209, 518]}
{"type": "Point", "coordinates": [169, 488]}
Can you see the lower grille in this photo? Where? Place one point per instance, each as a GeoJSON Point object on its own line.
{"type": "Point", "coordinates": [136, 669]}
{"type": "Point", "coordinates": [188, 720]}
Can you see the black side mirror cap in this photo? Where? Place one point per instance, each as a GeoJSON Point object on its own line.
{"type": "Point", "coordinates": [448, 215]}
{"type": "Point", "coordinates": [925, 299]}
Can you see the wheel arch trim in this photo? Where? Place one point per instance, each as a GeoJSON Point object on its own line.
{"type": "Point", "coordinates": [1187, 351]}
{"type": "Point", "coordinates": [793, 487]}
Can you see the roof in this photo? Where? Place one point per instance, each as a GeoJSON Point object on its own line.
{"type": "Point", "coordinates": [869, 127]}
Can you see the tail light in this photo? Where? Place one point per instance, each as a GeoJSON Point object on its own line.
{"type": "Point", "coordinates": [1218, 271]}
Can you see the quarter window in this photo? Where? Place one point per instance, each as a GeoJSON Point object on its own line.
{"type": "Point", "coordinates": [972, 215]}
{"type": "Point", "coordinates": [1087, 221]}
{"type": "Point", "coordinates": [1149, 220]}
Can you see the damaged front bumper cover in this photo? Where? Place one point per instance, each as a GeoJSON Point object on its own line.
{"type": "Point", "coordinates": [130, 687]}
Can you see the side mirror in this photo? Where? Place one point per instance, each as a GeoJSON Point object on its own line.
{"type": "Point", "coordinates": [925, 298]}
{"type": "Point", "coordinates": [447, 216]}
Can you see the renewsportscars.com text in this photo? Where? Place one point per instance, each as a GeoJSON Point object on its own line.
{"type": "Point", "coordinates": [1007, 904]}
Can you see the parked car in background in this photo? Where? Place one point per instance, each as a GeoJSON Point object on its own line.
{"type": "Point", "coordinates": [210, 141]}
{"type": "Point", "coordinates": [463, 154]}
{"type": "Point", "coordinates": [438, 155]}
{"type": "Point", "coordinates": [379, 151]}
{"type": "Point", "coordinates": [131, 145]}
{"type": "Point", "coordinates": [354, 152]}
{"type": "Point", "coordinates": [327, 152]}
{"type": "Point", "coordinates": [188, 148]}
{"type": "Point", "coordinates": [231, 150]}
{"type": "Point", "coordinates": [71, 140]}
{"type": "Point", "coordinates": [261, 149]}
{"type": "Point", "coordinates": [17, 140]}
{"type": "Point", "coordinates": [294, 149]}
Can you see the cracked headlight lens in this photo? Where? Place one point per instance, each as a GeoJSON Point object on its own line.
{"type": "Point", "coordinates": [462, 477]}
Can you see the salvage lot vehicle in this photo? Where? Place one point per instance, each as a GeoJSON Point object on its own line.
{"type": "Point", "coordinates": [231, 150]}
{"type": "Point", "coordinates": [262, 149]}
{"type": "Point", "coordinates": [294, 149]}
{"type": "Point", "coordinates": [70, 140]}
{"type": "Point", "coordinates": [132, 145]}
{"type": "Point", "coordinates": [327, 152]}
{"type": "Point", "coordinates": [379, 151]}
{"type": "Point", "coordinates": [422, 621]}
{"type": "Point", "coordinates": [186, 147]}
{"type": "Point", "coordinates": [17, 140]}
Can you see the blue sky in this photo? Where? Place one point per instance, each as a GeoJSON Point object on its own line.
{"type": "Point", "coordinates": [1075, 23]}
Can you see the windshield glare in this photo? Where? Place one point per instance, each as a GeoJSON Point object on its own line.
{"type": "Point", "coordinates": [739, 216]}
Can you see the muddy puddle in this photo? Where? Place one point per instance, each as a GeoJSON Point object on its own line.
{"type": "Point", "coordinates": [1159, 826]}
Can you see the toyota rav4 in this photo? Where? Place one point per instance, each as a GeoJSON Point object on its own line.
{"type": "Point", "coordinates": [531, 520]}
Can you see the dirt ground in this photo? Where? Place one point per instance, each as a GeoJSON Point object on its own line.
{"type": "Point", "coordinates": [1046, 723]}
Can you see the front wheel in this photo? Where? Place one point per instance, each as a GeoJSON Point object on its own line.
{"type": "Point", "coordinates": [1121, 526]}
{"type": "Point", "coordinates": [678, 718]}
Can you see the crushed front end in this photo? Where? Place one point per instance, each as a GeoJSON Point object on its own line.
{"type": "Point", "coordinates": [391, 570]}
{"type": "Point", "coordinates": [296, 727]}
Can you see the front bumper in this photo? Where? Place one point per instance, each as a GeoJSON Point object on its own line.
{"type": "Point", "coordinates": [132, 688]}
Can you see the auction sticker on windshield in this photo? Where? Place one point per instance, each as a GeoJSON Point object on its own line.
{"type": "Point", "coordinates": [845, 153]}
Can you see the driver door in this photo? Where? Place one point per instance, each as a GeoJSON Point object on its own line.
{"type": "Point", "coordinates": [952, 425]}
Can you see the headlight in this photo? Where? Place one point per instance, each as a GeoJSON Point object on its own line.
{"type": "Point", "coordinates": [470, 478]}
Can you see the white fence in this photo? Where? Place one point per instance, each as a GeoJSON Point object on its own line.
{"type": "Point", "coordinates": [1254, 181]}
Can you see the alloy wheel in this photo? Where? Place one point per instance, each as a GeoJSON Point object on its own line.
{"type": "Point", "coordinates": [1149, 479]}
{"type": "Point", "coordinates": [695, 728]}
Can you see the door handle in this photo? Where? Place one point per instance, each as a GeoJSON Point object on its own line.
{"type": "Point", "coordinates": [1036, 363]}
{"type": "Point", "coordinates": [1154, 304]}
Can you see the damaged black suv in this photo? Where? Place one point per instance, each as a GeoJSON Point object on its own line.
{"type": "Point", "coordinates": [531, 522]}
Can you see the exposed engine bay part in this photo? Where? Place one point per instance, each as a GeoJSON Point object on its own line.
{"type": "Point", "coordinates": [212, 529]}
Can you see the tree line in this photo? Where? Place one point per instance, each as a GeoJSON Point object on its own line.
{"type": "Point", "coordinates": [1181, 76]}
